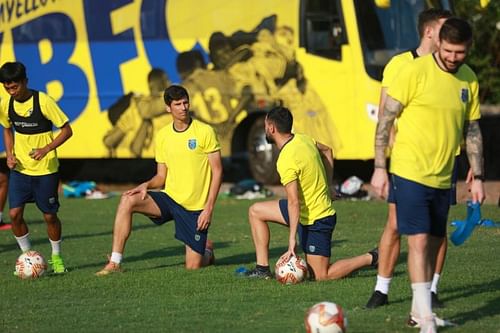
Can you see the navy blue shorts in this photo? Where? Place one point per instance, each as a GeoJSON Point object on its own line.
{"type": "Point", "coordinates": [42, 190]}
{"type": "Point", "coordinates": [186, 221]}
{"type": "Point", "coordinates": [315, 239]}
{"type": "Point", "coordinates": [420, 208]}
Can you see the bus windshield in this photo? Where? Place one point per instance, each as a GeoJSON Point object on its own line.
{"type": "Point", "coordinates": [388, 29]}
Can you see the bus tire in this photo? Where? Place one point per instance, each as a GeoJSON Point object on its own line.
{"type": "Point", "coordinates": [262, 156]}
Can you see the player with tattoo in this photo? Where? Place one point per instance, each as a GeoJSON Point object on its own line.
{"type": "Point", "coordinates": [429, 23]}
{"type": "Point", "coordinates": [435, 99]}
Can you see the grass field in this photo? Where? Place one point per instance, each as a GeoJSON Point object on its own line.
{"type": "Point", "coordinates": [156, 294]}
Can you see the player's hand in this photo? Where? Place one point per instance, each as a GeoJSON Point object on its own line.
{"type": "Point", "coordinates": [39, 153]}
{"type": "Point", "coordinates": [380, 182]}
{"type": "Point", "coordinates": [11, 161]}
{"type": "Point", "coordinates": [477, 191]}
{"type": "Point", "coordinates": [142, 189]}
{"type": "Point", "coordinates": [289, 253]}
{"type": "Point", "coordinates": [204, 220]}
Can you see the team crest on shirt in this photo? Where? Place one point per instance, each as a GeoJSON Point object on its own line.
{"type": "Point", "coordinates": [465, 95]}
{"type": "Point", "coordinates": [192, 144]}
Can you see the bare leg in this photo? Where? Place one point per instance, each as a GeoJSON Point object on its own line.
{"type": "Point", "coordinates": [54, 228]}
{"type": "Point", "coordinates": [389, 245]}
{"type": "Point", "coordinates": [194, 260]}
{"type": "Point", "coordinates": [130, 204]}
{"type": "Point", "coordinates": [4, 188]}
{"type": "Point", "coordinates": [19, 227]}
{"type": "Point", "coordinates": [441, 255]}
{"type": "Point", "coordinates": [422, 250]}
{"type": "Point", "coordinates": [258, 216]}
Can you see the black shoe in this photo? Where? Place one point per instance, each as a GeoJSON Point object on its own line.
{"type": "Point", "coordinates": [411, 322]}
{"type": "Point", "coordinates": [436, 303]}
{"type": "Point", "coordinates": [259, 274]}
{"type": "Point", "coordinates": [374, 254]}
{"type": "Point", "coordinates": [378, 299]}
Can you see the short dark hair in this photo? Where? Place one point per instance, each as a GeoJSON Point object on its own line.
{"type": "Point", "coordinates": [456, 31]}
{"type": "Point", "coordinates": [430, 16]}
{"type": "Point", "coordinates": [175, 93]}
{"type": "Point", "coordinates": [12, 72]}
{"type": "Point", "coordinates": [282, 118]}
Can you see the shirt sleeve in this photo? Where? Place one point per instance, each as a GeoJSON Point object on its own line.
{"type": "Point", "coordinates": [159, 152]}
{"type": "Point", "coordinates": [404, 85]}
{"type": "Point", "coordinates": [288, 170]}
{"type": "Point", "coordinates": [473, 110]}
{"type": "Point", "coordinates": [4, 113]}
{"type": "Point", "coordinates": [390, 71]}
{"type": "Point", "coordinates": [211, 142]}
{"type": "Point", "coordinates": [52, 111]}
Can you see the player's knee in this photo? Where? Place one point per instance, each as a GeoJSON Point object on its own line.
{"type": "Point", "coordinates": [253, 213]}
{"type": "Point", "coordinates": [127, 202]}
{"type": "Point", "coordinates": [193, 265]}
{"type": "Point", "coordinates": [16, 216]}
{"type": "Point", "coordinates": [50, 218]}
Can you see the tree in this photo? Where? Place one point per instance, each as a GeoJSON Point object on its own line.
{"type": "Point", "coordinates": [484, 57]}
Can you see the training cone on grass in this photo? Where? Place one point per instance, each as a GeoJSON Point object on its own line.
{"type": "Point", "coordinates": [464, 229]}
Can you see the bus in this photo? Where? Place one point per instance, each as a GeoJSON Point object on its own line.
{"type": "Point", "coordinates": [107, 63]}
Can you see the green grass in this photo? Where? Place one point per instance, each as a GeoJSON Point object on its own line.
{"type": "Point", "coordinates": [156, 294]}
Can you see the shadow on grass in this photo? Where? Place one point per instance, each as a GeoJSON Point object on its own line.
{"type": "Point", "coordinates": [42, 240]}
{"type": "Point", "coordinates": [490, 309]}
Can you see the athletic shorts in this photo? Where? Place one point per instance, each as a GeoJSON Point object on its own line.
{"type": "Point", "coordinates": [3, 166]}
{"type": "Point", "coordinates": [186, 221]}
{"type": "Point", "coordinates": [453, 190]}
{"type": "Point", "coordinates": [42, 190]}
{"type": "Point", "coordinates": [315, 239]}
{"type": "Point", "coordinates": [420, 208]}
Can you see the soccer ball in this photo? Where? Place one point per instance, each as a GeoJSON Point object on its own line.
{"type": "Point", "coordinates": [325, 317]}
{"type": "Point", "coordinates": [292, 271]}
{"type": "Point", "coordinates": [30, 265]}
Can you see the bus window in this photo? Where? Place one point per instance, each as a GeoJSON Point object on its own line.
{"type": "Point", "coordinates": [323, 29]}
{"type": "Point", "coordinates": [388, 30]}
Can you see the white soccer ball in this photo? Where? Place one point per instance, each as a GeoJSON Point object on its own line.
{"type": "Point", "coordinates": [292, 271]}
{"type": "Point", "coordinates": [325, 317]}
{"type": "Point", "coordinates": [30, 265]}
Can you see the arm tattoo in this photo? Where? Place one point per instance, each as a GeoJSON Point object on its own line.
{"type": "Point", "coordinates": [392, 109]}
{"type": "Point", "coordinates": [474, 146]}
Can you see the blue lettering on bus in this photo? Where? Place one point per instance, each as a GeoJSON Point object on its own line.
{"type": "Point", "coordinates": [108, 51]}
{"type": "Point", "coordinates": [58, 67]}
{"type": "Point", "coordinates": [156, 41]}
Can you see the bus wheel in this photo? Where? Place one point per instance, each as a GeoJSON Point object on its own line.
{"type": "Point", "coordinates": [262, 155]}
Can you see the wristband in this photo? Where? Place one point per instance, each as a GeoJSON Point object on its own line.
{"type": "Point", "coordinates": [479, 177]}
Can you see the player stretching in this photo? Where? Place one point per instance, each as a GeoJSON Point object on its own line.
{"type": "Point", "coordinates": [189, 169]}
{"type": "Point", "coordinates": [308, 209]}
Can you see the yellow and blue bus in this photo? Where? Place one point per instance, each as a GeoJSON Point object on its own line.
{"type": "Point", "coordinates": [107, 63]}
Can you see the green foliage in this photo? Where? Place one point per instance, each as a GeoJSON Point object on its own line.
{"type": "Point", "coordinates": [484, 57]}
{"type": "Point", "coordinates": [156, 294]}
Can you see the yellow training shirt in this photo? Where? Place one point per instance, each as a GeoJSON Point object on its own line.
{"type": "Point", "coordinates": [24, 143]}
{"type": "Point", "coordinates": [300, 160]}
{"type": "Point", "coordinates": [186, 156]}
{"type": "Point", "coordinates": [394, 65]}
{"type": "Point", "coordinates": [436, 104]}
